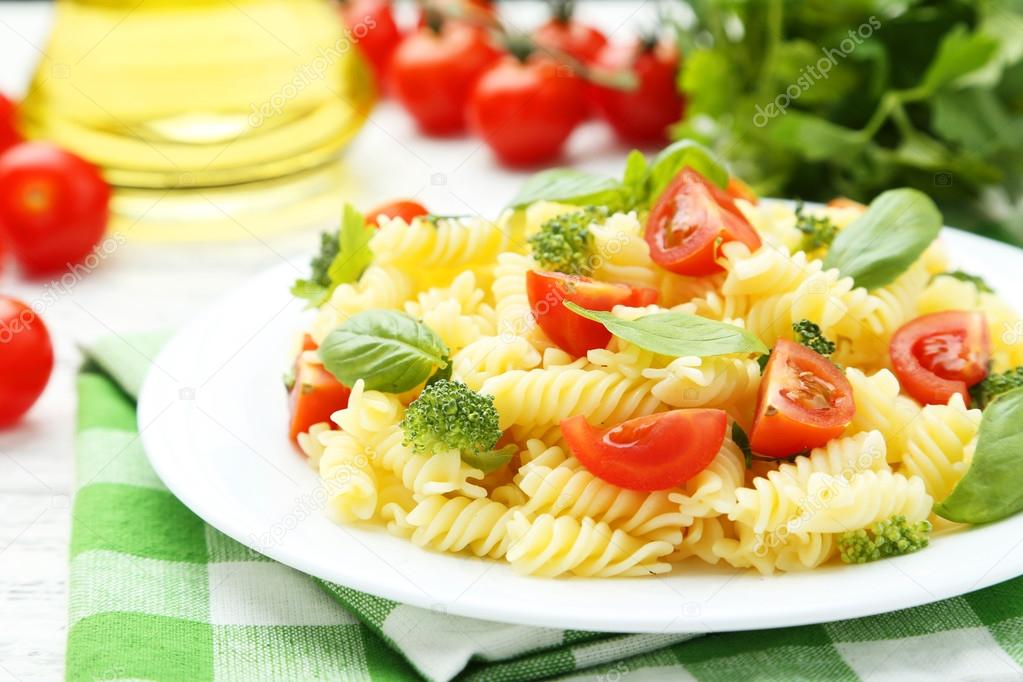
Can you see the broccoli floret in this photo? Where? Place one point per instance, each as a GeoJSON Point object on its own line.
{"type": "Point", "coordinates": [891, 537]}
{"type": "Point", "coordinates": [448, 415]}
{"type": "Point", "coordinates": [564, 243]}
{"type": "Point", "coordinates": [329, 248]}
{"type": "Point", "coordinates": [818, 231]}
{"type": "Point", "coordinates": [809, 334]}
{"type": "Point", "coordinates": [995, 385]}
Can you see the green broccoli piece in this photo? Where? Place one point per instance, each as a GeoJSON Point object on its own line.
{"type": "Point", "coordinates": [818, 231]}
{"type": "Point", "coordinates": [891, 537]}
{"type": "Point", "coordinates": [564, 243]}
{"type": "Point", "coordinates": [448, 415]}
{"type": "Point", "coordinates": [809, 334]}
{"type": "Point", "coordinates": [995, 385]}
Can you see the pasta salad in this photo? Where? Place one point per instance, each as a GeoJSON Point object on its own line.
{"type": "Point", "coordinates": [616, 376]}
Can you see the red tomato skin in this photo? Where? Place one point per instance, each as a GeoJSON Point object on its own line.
{"type": "Point", "coordinates": [712, 216]}
{"type": "Point", "coordinates": [433, 74]}
{"type": "Point", "coordinates": [405, 209]}
{"type": "Point", "coordinates": [571, 37]}
{"type": "Point", "coordinates": [54, 206]}
{"type": "Point", "coordinates": [315, 396]}
{"type": "Point", "coordinates": [926, 385]}
{"type": "Point", "coordinates": [641, 116]}
{"type": "Point", "coordinates": [781, 426]}
{"type": "Point", "coordinates": [646, 453]}
{"type": "Point", "coordinates": [9, 135]}
{"type": "Point", "coordinates": [737, 189]}
{"type": "Point", "coordinates": [375, 33]}
{"type": "Point", "coordinates": [548, 291]}
{"type": "Point", "coordinates": [26, 359]}
{"type": "Point", "coordinates": [526, 111]}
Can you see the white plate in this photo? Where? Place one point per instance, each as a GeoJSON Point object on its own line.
{"type": "Point", "coordinates": [213, 415]}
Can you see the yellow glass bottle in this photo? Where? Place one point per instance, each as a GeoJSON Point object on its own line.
{"type": "Point", "coordinates": [170, 94]}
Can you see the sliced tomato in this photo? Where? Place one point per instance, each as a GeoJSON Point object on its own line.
{"type": "Point", "coordinates": [548, 292]}
{"type": "Point", "coordinates": [804, 401]}
{"type": "Point", "coordinates": [404, 209]}
{"type": "Point", "coordinates": [690, 221]}
{"type": "Point", "coordinates": [938, 355]}
{"type": "Point", "coordinates": [655, 452]}
{"type": "Point", "coordinates": [315, 396]}
{"type": "Point", "coordinates": [737, 189]}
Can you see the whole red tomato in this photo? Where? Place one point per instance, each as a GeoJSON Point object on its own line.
{"type": "Point", "coordinates": [642, 115]}
{"type": "Point", "coordinates": [563, 33]}
{"type": "Point", "coordinates": [525, 110]}
{"type": "Point", "coordinates": [26, 359]}
{"type": "Point", "coordinates": [433, 72]}
{"type": "Point", "coordinates": [54, 206]}
{"type": "Point", "coordinates": [9, 135]}
{"type": "Point", "coordinates": [374, 31]}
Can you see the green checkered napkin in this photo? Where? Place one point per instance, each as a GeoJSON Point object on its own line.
{"type": "Point", "coordinates": [157, 594]}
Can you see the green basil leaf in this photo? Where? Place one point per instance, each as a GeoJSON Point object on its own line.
{"type": "Point", "coordinates": [883, 242]}
{"type": "Point", "coordinates": [387, 349]}
{"type": "Point", "coordinates": [568, 186]}
{"type": "Point", "coordinates": [741, 441]}
{"type": "Point", "coordinates": [676, 334]}
{"type": "Point", "coordinates": [992, 488]}
{"type": "Point", "coordinates": [976, 280]}
{"type": "Point", "coordinates": [677, 156]}
{"type": "Point", "coordinates": [816, 138]}
{"type": "Point", "coordinates": [491, 460]}
{"type": "Point", "coordinates": [354, 254]}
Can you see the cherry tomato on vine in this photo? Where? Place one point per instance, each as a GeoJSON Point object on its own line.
{"type": "Point", "coordinates": [642, 115]}
{"type": "Point", "coordinates": [804, 401]}
{"type": "Point", "coordinates": [316, 393]}
{"type": "Point", "coordinates": [656, 452]}
{"type": "Point", "coordinates": [690, 221]}
{"type": "Point", "coordinates": [548, 291]}
{"type": "Point", "coordinates": [9, 135]}
{"type": "Point", "coordinates": [563, 33]}
{"type": "Point", "coordinates": [54, 206]}
{"type": "Point", "coordinates": [404, 209]}
{"type": "Point", "coordinates": [525, 110]}
{"type": "Point", "coordinates": [26, 359]}
{"type": "Point", "coordinates": [434, 70]}
{"type": "Point", "coordinates": [372, 26]}
{"type": "Point", "coordinates": [941, 354]}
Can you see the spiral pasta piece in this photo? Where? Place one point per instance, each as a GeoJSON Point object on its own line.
{"type": "Point", "coordinates": [621, 254]}
{"type": "Point", "coordinates": [436, 474]}
{"type": "Point", "coordinates": [457, 312]}
{"type": "Point", "coordinates": [881, 407]}
{"type": "Point", "coordinates": [546, 396]}
{"type": "Point", "coordinates": [369, 413]}
{"type": "Point", "coordinates": [569, 489]}
{"type": "Point", "coordinates": [700, 539]}
{"type": "Point", "coordinates": [551, 546]}
{"type": "Point", "coordinates": [491, 356]}
{"type": "Point", "coordinates": [722, 381]}
{"type": "Point", "coordinates": [712, 491]}
{"type": "Point", "coordinates": [937, 445]}
{"type": "Point", "coordinates": [349, 478]}
{"type": "Point", "coordinates": [381, 286]}
{"type": "Point", "coordinates": [514, 317]}
{"type": "Point", "coordinates": [311, 445]}
{"type": "Point", "coordinates": [446, 243]}
{"type": "Point", "coordinates": [768, 553]}
{"type": "Point", "coordinates": [458, 524]}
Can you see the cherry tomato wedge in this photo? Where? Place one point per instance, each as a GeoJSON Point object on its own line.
{"type": "Point", "coordinates": [548, 292]}
{"type": "Point", "coordinates": [804, 401]}
{"type": "Point", "coordinates": [404, 209]}
{"type": "Point", "coordinates": [737, 189]}
{"type": "Point", "coordinates": [315, 396]}
{"type": "Point", "coordinates": [938, 355]}
{"type": "Point", "coordinates": [26, 359]}
{"type": "Point", "coordinates": [690, 221]}
{"type": "Point", "coordinates": [655, 452]}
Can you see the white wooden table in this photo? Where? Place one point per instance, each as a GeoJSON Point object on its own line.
{"type": "Point", "coordinates": [146, 286]}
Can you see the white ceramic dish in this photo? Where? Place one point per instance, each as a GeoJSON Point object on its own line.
{"type": "Point", "coordinates": [213, 416]}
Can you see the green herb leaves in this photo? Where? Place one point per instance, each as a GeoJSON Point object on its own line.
{"type": "Point", "coordinates": [641, 185]}
{"type": "Point", "coordinates": [342, 259]}
{"type": "Point", "coordinates": [992, 488]}
{"type": "Point", "coordinates": [882, 243]}
{"type": "Point", "coordinates": [387, 349]}
{"type": "Point", "coordinates": [677, 334]}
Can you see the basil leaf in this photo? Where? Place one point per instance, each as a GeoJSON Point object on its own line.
{"type": "Point", "coordinates": [992, 488]}
{"type": "Point", "coordinates": [491, 460]}
{"type": "Point", "coordinates": [387, 349]}
{"type": "Point", "coordinates": [568, 186]}
{"type": "Point", "coordinates": [741, 441]}
{"type": "Point", "coordinates": [883, 242]}
{"type": "Point", "coordinates": [976, 280]}
{"type": "Point", "coordinates": [677, 156]}
{"type": "Point", "coordinates": [676, 334]}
